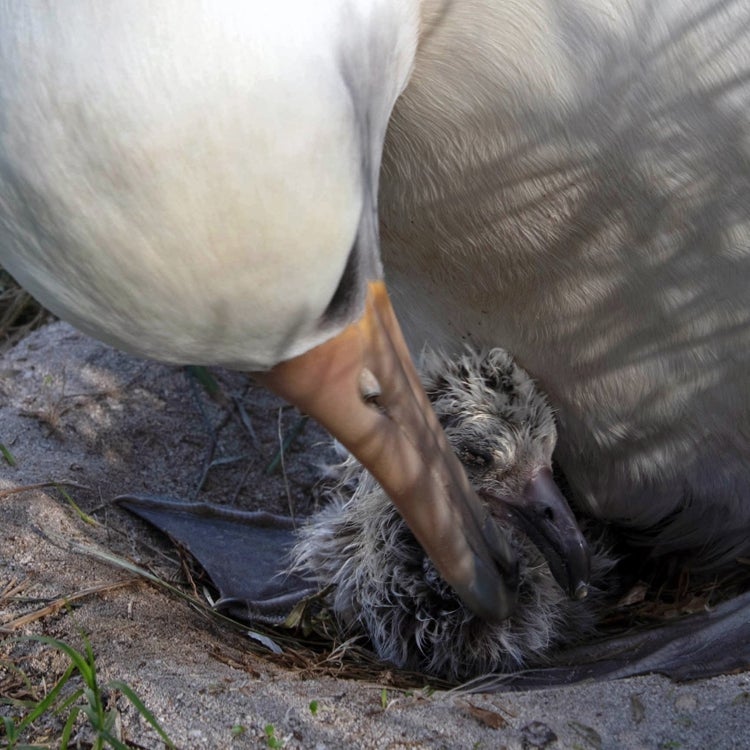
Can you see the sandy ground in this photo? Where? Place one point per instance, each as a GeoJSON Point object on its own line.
{"type": "Point", "coordinates": [76, 411]}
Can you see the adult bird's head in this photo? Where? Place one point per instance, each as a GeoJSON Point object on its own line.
{"type": "Point", "coordinates": [361, 383]}
{"type": "Point", "coordinates": [197, 181]}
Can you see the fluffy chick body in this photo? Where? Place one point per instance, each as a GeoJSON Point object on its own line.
{"type": "Point", "coordinates": [382, 583]}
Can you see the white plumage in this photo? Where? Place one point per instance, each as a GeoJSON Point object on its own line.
{"type": "Point", "coordinates": [198, 182]}
{"type": "Point", "coordinates": [571, 181]}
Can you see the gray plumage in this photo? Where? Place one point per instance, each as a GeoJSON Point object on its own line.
{"type": "Point", "coordinates": [383, 584]}
{"type": "Point", "coordinates": [570, 180]}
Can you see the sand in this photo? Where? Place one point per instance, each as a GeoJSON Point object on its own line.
{"type": "Point", "coordinates": [74, 410]}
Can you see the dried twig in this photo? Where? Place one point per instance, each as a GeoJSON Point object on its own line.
{"type": "Point", "coordinates": [57, 604]}
{"type": "Point", "coordinates": [41, 486]}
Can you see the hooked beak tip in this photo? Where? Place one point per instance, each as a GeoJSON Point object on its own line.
{"type": "Point", "coordinates": [581, 591]}
{"type": "Point", "coordinates": [486, 599]}
{"type": "Point", "coordinates": [544, 516]}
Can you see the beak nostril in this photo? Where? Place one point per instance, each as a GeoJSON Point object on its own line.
{"type": "Point", "coordinates": [548, 514]}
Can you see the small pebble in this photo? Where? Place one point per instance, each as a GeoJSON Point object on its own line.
{"type": "Point", "coordinates": [537, 736]}
{"type": "Point", "coordinates": [686, 702]}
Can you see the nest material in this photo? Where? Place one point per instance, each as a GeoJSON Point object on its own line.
{"type": "Point", "coordinates": [20, 313]}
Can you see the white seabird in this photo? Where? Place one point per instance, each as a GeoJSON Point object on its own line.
{"type": "Point", "coordinates": [571, 180]}
{"type": "Point", "coordinates": [567, 179]}
{"type": "Point", "coordinates": [197, 182]}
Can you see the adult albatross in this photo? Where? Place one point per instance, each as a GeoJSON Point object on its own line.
{"type": "Point", "coordinates": [571, 181]}
{"type": "Point", "coordinates": [197, 182]}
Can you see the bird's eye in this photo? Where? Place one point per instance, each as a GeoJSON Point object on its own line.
{"type": "Point", "coordinates": [473, 456]}
{"type": "Point", "coordinates": [369, 389]}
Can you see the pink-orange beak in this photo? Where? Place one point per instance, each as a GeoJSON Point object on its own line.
{"type": "Point", "coordinates": [363, 387]}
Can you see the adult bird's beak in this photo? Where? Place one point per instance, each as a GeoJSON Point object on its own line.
{"type": "Point", "coordinates": [363, 387]}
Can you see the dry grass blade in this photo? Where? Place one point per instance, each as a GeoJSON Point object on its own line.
{"type": "Point", "coordinates": [20, 313]}
{"type": "Point", "coordinates": [57, 604]}
{"type": "Point", "coordinates": [310, 654]}
{"type": "Point", "coordinates": [13, 588]}
{"type": "Point", "coordinates": [41, 486]}
{"type": "Point", "coordinates": [647, 603]}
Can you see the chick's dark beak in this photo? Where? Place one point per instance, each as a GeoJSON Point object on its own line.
{"type": "Point", "coordinates": [363, 387]}
{"type": "Point", "coordinates": [543, 514]}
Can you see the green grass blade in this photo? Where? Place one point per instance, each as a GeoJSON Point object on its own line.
{"type": "Point", "coordinates": [7, 455]}
{"type": "Point", "coordinates": [94, 709]}
{"type": "Point", "coordinates": [287, 444]}
{"type": "Point", "coordinates": [85, 517]}
{"type": "Point", "coordinates": [140, 706]}
{"type": "Point", "coordinates": [110, 720]}
{"type": "Point", "coordinates": [68, 728]}
{"type": "Point", "coordinates": [206, 379]}
{"type": "Point", "coordinates": [48, 701]}
{"type": "Point", "coordinates": [68, 702]}
{"type": "Point", "coordinates": [91, 706]}
{"type": "Point", "coordinates": [76, 657]}
{"type": "Point", "coordinates": [90, 658]}
{"type": "Point", "coordinates": [11, 732]}
{"type": "Point", "coordinates": [121, 562]}
{"type": "Point", "coordinates": [111, 740]}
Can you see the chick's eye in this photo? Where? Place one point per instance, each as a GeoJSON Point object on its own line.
{"type": "Point", "coordinates": [475, 456]}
